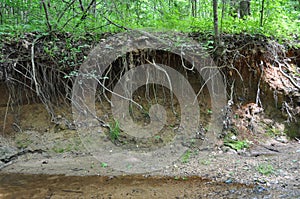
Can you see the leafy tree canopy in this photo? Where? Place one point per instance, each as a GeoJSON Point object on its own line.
{"type": "Point", "coordinates": [277, 18]}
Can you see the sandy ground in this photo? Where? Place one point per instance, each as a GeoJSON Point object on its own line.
{"type": "Point", "coordinates": [273, 167]}
{"type": "Point", "coordinates": [270, 168]}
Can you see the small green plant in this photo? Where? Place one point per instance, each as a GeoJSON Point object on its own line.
{"type": "Point", "coordinates": [205, 162]}
{"type": "Point", "coordinates": [208, 45]}
{"type": "Point", "coordinates": [157, 137]}
{"type": "Point", "coordinates": [273, 132]}
{"type": "Point", "coordinates": [180, 178]}
{"type": "Point", "coordinates": [23, 143]}
{"type": "Point", "coordinates": [231, 141]}
{"type": "Point", "coordinates": [58, 149]}
{"type": "Point", "coordinates": [128, 166]}
{"type": "Point", "coordinates": [192, 142]}
{"type": "Point", "coordinates": [114, 130]}
{"type": "Point", "coordinates": [236, 144]}
{"type": "Point", "coordinates": [265, 169]}
{"type": "Point", "coordinates": [209, 111]}
{"type": "Point", "coordinates": [104, 164]}
{"type": "Point", "coordinates": [186, 157]}
{"type": "Point", "coordinates": [66, 147]}
{"type": "Point", "coordinates": [92, 165]}
{"type": "Point", "coordinates": [184, 178]}
{"type": "Point", "coordinates": [76, 145]}
{"type": "Point", "coordinates": [72, 74]}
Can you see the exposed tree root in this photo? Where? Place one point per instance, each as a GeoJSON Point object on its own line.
{"type": "Point", "coordinates": [42, 69]}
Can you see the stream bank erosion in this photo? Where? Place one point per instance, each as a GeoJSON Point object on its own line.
{"type": "Point", "coordinates": [255, 153]}
{"type": "Point", "coordinates": [261, 76]}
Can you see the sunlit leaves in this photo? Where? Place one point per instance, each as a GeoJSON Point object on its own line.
{"type": "Point", "coordinates": [281, 17]}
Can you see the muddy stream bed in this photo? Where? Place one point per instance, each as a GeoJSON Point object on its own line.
{"type": "Point", "coordinates": [57, 186]}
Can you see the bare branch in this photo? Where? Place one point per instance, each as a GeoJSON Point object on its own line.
{"type": "Point", "coordinates": [47, 15]}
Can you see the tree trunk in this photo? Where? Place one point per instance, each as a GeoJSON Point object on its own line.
{"type": "Point", "coordinates": [239, 8]}
{"type": "Point", "coordinates": [194, 8]}
{"type": "Point", "coordinates": [216, 23]}
{"type": "Point", "coordinates": [262, 13]}
{"type": "Point", "coordinates": [244, 8]}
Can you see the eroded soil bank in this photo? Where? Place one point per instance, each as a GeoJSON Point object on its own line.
{"type": "Point", "coordinates": [256, 155]}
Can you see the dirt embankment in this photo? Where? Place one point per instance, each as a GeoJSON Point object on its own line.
{"type": "Point", "coordinates": [38, 69]}
{"type": "Point", "coordinates": [262, 79]}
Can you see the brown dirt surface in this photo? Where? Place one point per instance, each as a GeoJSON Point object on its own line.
{"type": "Point", "coordinates": [269, 168]}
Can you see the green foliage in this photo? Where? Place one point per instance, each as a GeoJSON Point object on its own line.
{"type": "Point", "coordinates": [60, 147]}
{"type": "Point", "coordinates": [205, 162]}
{"type": "Point", "coordinates": [23, 143]}
{"type": "Point", "coordinates": [58, 150]}
{"type": "Point", "coordinates": [234, 143]}
{"type": "Point", "coordinates": [274, 132]}
{"type": "Point", "coordinates": [114, 130]}
{"type": "Point", "coordinates": [265, 169]}
{"type": "Point", "coordinates": [180, 178]}
{"type": "Point", "coordinates": [104, 164]}
{"type": "Point", "coordinates": [237, 145]}
{"type": "Point", "coordinates": [157, 137]}
{"type": "Point", "coordinates": [209, 111]}
{"type": "Point", "coordinates": [186, 157]}
{"type": "Point", "coordinates": [281, 17]}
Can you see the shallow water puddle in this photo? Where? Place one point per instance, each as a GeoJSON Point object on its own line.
{"type": "Point", "coordinates": [58, 186]}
